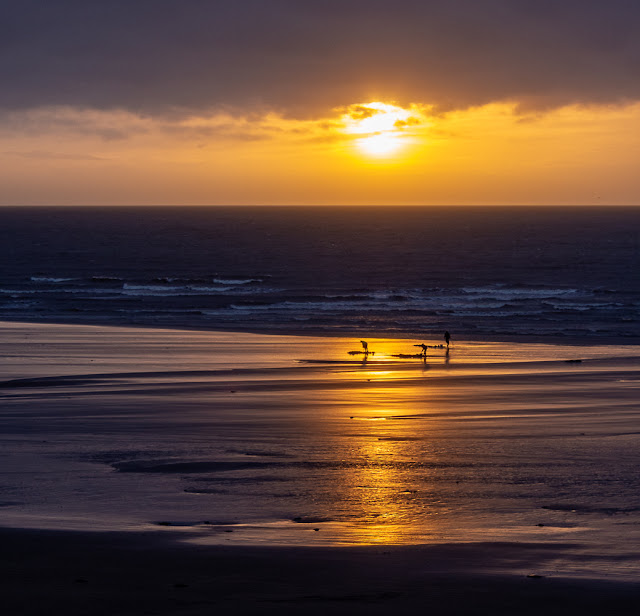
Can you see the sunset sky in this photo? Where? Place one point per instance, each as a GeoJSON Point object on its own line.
{"type": "Point", "coordinates": [319, 102]}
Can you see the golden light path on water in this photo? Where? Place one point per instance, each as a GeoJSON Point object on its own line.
{"type": "Point", "coordinates": [379, 494]}
{"type": "Point", "coordinates": [384, 486]}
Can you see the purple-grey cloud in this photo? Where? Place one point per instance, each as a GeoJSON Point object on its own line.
{"type": "Point", "coordinates": [159, 56]}
{"type": "Point", "coordinates": [45, 155]}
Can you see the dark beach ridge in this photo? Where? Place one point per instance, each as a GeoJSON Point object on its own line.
{"type": "Point", "coordinates": [179, 471]}
{"type": "Point", "coordinates": [133, 573]}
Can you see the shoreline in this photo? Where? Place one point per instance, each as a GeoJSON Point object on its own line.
{"type": "Point", "coordinates": [29, 347]}
{"type": "Point", "coordinates": [525, 339]}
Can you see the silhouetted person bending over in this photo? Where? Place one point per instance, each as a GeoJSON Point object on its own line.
{"type": "Point", "coordinates": [447, 337]}
{"type": "Point", "coordinates": [424, 348]}
{"type": "Point", "coordinates": [365, 346]}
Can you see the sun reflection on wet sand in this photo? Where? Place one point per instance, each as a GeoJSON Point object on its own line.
{"type": "Point", "coordinates": [382, 501]}
{"type": "Point", "coordinates": [382, 492]}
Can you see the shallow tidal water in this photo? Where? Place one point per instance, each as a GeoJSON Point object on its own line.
{"type": "Point", "coordinates": [276, 440]}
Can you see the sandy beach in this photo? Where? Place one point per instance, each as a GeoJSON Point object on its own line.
{"type": "Point", "coordinates": [166, 471]}
{"type": "Point", "coordinates": [114, 573]}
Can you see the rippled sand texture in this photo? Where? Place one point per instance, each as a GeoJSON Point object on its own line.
{"type": "Point", "coordinates": [230, 439]}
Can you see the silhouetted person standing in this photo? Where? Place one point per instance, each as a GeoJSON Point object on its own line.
{"type": "Point", "coordinates": [365, 346]}
{"type": "Point", "coordinates": [447, 337]}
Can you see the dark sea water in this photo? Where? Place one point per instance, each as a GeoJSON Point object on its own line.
{"type": "Point", "coordinates": [483, 272]}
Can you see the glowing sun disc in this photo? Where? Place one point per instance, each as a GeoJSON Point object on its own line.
{"type": "Point", "coordinates": [383, 144]}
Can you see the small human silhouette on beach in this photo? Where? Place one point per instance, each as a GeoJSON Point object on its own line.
{"type": "Point", "coordinates": [447, 337]}
{"type": "Point", "coordinates": [424, 348]}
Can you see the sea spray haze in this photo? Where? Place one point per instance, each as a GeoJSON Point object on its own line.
{"type": "Point", "coordinates": [480, 272]}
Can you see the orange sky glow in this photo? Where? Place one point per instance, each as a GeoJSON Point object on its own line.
{"type": "Point", "coordinates": [364, 153]}
{"type": "Point", "coordinates": [465, 102]}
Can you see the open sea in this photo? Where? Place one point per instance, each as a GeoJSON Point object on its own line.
{"type": "Point", "coordinates": [479, 272]}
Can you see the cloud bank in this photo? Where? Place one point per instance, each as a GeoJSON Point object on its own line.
{"type": "Point", "coordinates": [302, 57]}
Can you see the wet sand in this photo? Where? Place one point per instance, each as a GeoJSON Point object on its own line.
{"type": "Point", "coordinates": [115, 573]}
{"type": "Point", "coordinates": [160, 471]}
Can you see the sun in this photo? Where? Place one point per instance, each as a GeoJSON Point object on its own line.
{"type": "Point", "coordinates": [382, 126]}
{"type": "Point", "coordinates": [381, 144]}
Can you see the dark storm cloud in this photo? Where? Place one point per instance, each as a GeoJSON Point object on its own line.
{"type": "Point", "coordinates": [154, 56]}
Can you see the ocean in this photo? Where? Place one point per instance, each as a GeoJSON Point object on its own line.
{"type": "Point", "coordinates": [479, 272]}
